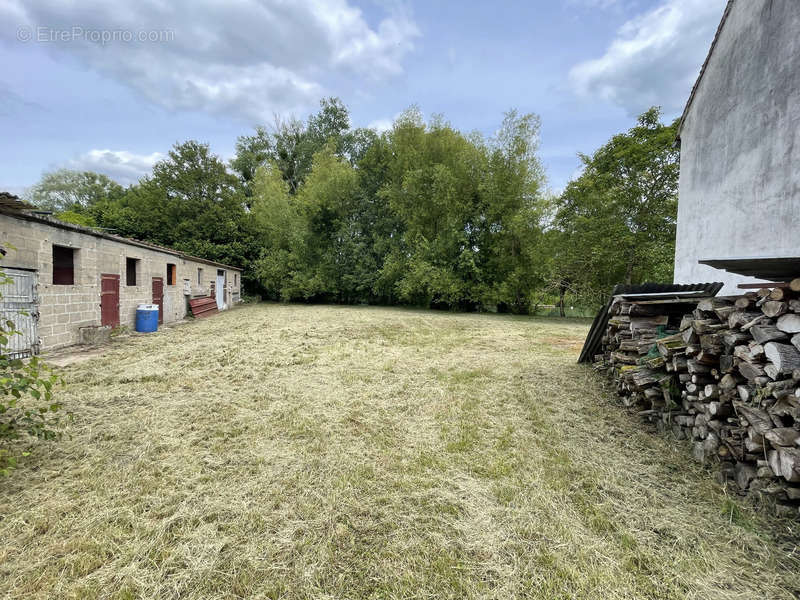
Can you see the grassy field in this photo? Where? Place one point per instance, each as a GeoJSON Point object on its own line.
{"type": "Point", "coordinates": [328, 452]}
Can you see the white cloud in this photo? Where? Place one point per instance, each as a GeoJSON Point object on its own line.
{"type": "Point", "coordinates": [250, 58]}
{"type": "Point", "coordinates": [380, 125]}
{"type": "Point", "coordinates": [655, 58]}
{"type": "Point", "coordinates": [385, 123]}
{"type": "Point", "coordinates": [122, 166]}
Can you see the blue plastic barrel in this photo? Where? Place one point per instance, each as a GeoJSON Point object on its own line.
{"type": "Point", "coordinates": [147, 318]}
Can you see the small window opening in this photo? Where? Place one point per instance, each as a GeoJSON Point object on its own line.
{"type": "Point", "coordinates": [171, 274]}
{"type": "Point", "coordinates": [63, 265]}
{"type": "Point", "coordinates": [199, 276]}
{"type": "Point", "coordinates": [131, 266]}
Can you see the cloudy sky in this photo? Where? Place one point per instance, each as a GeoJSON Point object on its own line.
{"type": "Point", "coordinates": [110, 88]}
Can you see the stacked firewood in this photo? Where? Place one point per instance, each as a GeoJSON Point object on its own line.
{"type": "Point", "coordinates": [723, 372]}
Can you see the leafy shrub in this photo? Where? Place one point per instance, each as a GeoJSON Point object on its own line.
{"type": "Point", "coordinates": [27, 407]}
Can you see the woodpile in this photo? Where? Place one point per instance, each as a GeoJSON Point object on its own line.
{"type": "Point", "coordinates": [722, 372]}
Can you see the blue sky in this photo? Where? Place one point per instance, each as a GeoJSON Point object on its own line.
{"type": "Point", "coordinates": [213, 69]}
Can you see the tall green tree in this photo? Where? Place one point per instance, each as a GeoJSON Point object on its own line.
{"type": "Point", "coordinates": [279, 228]}
{"type": "Point", "coordinates": [290, 145]}
{"type": "Point", "coordinates": [74, 195]}
{"type": "Point", "coordinates": [616, 222]}
{"type": "Point", "coordinates": [433, 188]}
{"type": "Point", "coordinates": [331, 249]}
{"type": "Point", "coordinates": [515, 211]}
{"type": "Point", "coordinates": [470, 210]}
{"type": "Point", "coordinates": [191, 202]}
{"type": "Point", "coordinates": [252, 152]}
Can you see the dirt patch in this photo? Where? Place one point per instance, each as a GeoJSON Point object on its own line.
{"type": "Point", "coordinates": [73, 355]}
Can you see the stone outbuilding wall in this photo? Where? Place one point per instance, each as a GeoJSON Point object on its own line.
{"type": "Point", "coordinates": [65, 308]}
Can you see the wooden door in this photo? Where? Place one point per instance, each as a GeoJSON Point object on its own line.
{"type": "Point", "coordinates": [109, 300]}
{"type": "Point", "coordinates": [158, 297]}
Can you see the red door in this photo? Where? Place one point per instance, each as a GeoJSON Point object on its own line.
{"type": "Point", "coordinates": [109, 300]}
{"type": "Point", "coordinates": [158, 296]}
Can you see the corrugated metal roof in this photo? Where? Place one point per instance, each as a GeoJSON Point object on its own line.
{"type": "Point", "coordinates": [640, 291]}
{"type": "Point", "coordinates": [711, 289]}
{"type": "Point", "coordinates": [771, 268]}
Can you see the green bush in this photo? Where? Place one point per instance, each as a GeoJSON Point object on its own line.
{"type": "Point", "coordinates": [27, 407]}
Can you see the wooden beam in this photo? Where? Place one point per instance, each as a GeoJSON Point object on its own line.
{"type": "Point", "coordinates": [758, 286]}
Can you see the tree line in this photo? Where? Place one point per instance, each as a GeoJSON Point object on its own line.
{"type": "Point", "coordinates": [422, 214]}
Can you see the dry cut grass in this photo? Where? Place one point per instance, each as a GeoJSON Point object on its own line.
{"type": "Point", "coordinates": [328, 452]}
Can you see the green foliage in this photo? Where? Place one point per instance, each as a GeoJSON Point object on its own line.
{"type": "Point", "coordinates": [192, 203]}
{"type": "Point", "coordinates": [252, 152]}
{"type": "Point", "coordinates": [76, 218]}
{"type": "Point", "coordinates": [516, 210]}
{"type": "Point", "coordinates": [328, 247]}
{"type": "Point", "coordinates": [470, 209]}
{"type": "Point", "coordinates": [422, 214]}
{"type": "Point", "coordinates": [616, 222]}
{"type": "Point", "coordinates": [434, 190]}
{"type": "Point", "coordinates": [75, 191]}
{"type": "Point", "coordinates": [278, 222]}
{"type": "Point", "coordinates": [27, 407]}
{"type": "Point", "coordinates": [291, 145]}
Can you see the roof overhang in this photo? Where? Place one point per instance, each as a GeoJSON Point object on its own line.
{"type": "Point", "coordinates": [770, 268]}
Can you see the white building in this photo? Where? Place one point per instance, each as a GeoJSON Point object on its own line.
{"type": "Point", "coordinates": [740, 145]}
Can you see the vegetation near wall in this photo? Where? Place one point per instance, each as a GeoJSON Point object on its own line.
{"type": "Point", "coordinates": [27, 406]}
{"type": "Point", "coordinates": [422, 214]}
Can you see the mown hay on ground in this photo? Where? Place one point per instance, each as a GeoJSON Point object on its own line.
{"type": "Point", "coordinates": [329, 452]}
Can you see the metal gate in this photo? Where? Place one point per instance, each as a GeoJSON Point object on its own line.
{"type": "Point", "coordinates": [19, 304]}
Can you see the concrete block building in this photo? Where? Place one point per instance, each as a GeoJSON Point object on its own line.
{"type": "Point", "coordinates": [740, 145]}
{"type": "Point", "coordinates": [65, 280]}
